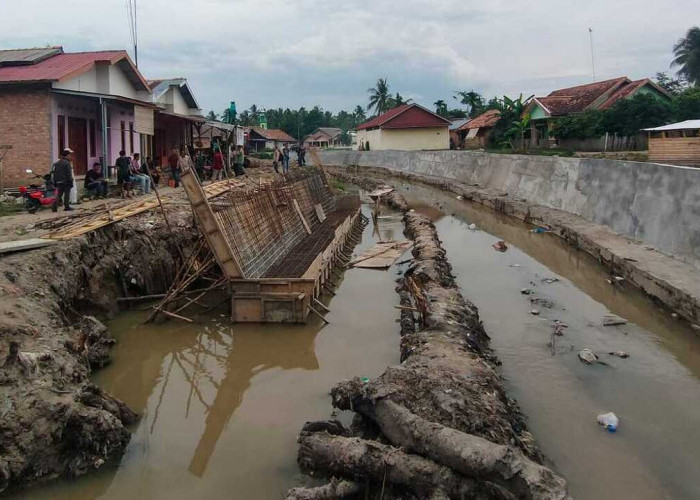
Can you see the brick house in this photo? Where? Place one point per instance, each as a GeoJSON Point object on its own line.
{"type": "Point", "coordinates": [408, 127]}
{"type": "Point", "coordinates": [96, 103]}
{"type": "Point", "coordinates": [324, 137]}
{"type": "Point", "coordinates": [260, 138]}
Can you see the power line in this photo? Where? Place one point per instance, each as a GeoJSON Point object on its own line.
{"type": "Point", "coordinates": [133, 32]}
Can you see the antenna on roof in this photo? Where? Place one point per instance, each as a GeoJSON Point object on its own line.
{"type": "Point", "coordinates": [590, 34]}
{"type": "Point", "coordinates": [133, 31]}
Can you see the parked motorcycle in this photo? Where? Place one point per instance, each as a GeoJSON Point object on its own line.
{"type": "Point", "coordinates": [37, 196]}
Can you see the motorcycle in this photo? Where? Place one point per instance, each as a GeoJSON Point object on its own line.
{"type": "Point", "coordinates": [37, 196]}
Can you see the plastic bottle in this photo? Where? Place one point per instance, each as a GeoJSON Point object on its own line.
{"type": "Point", "coordinates": [609, 421]}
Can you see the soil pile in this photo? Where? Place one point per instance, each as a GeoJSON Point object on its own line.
{"type": "Point", "coordinates": [440, 424]}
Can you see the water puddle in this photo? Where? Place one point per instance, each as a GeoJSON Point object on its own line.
{"type": "Point", "coordinates": [656, 451]}
{"type": "Point", "coordinates": [221, 405]}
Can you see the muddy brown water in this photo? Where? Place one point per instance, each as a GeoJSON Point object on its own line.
{"type": "Point", "coordinates": [656, 391]}
{"type": "Point", "coordinates": [222, 405]}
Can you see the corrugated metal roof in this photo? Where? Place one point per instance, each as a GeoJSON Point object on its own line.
{"type": "Point", "coordinates": [457, 123]}
{"type": "Point", "coordinates": [21, 57]}
{"type": "Point", "coordinates": [684, 125]}
{"type": "Point", "coordinates": [419, 119]}
{"type": "Point", "coordinates": [58, 67]}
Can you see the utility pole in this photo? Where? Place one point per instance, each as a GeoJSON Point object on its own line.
{"type": "Point", "coordinates": [590, 34]}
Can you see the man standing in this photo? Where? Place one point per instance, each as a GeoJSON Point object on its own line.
{"type": "Point", "coordinates": [175, 166]}
{"type": "Point", "coordinates": [285, 159]}
{"type": "Point", "coordinates": [276, 158]}
{"type": "Point", "coordinates": [217, 167]}
{"type": "Point", "coordinates": [302, 155]}
{"type": "Point", "coordinates": [94, 181]}
{"type": "Point", "coordinates": [63, 178]}
{"type": "Point", "coordinates": [240, 161]}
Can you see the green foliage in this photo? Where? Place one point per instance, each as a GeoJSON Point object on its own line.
{"type": "Point", "coordinates": [338, 185]}
{"type": "Point", "coordinates": [687, 56]}
{"type": "Point", "coordinates": [629, 116]}
{"type": "Point", "coordinates": [440, 107]}
{"type": "Point", "coordinates": [398, 100]}
{"type": "Point", "coordinates": [671, 85]}
{"type": "Point", "coordinates": [581, 126]}
{"type": "Point", "coordinates": [511, 121]}
{"type": "Point", "coordinates": [686, 106]}
{"type": "Point", "coordinates": [379, 97]}
{"type": "Point", "coordinates": [472, 100]}
{"type": "Point", "coordinates": [212, 116]}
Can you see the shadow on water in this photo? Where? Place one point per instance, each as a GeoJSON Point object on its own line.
{"type": "Point", "coordinates": [656, 451]}
{"type": "Point", "coordinates": [221, 405]}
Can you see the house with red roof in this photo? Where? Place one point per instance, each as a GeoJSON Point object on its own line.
{"type": "Point", "coordinates": [96, 103]}
{"type": "Point", "coordinates": [260, 138]}
{"type": "Point", "coordinates": [475, 133]}
{"type": "Point", "coordinates": [407, 127]}
{"type": "Point", "coordinates": [592, 96]}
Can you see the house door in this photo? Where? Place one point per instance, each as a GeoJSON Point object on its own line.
{"type": "Point", "coordinates": [77, 141]}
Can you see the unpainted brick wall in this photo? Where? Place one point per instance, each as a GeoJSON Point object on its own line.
{"type": "Point", "coordinates": [25, 124]}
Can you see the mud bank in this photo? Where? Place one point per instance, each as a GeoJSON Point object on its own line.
{"type": "Point", "coordinates": [665, 279]}
{"type": "Point", "coordinates": [439, 425]}
{"type": "Point", "coordinates": [53, 421]}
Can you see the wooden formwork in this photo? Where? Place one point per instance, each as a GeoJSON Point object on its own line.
{"type": "Point", "coordinates": [289, 300]}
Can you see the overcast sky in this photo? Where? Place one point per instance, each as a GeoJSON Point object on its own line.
{"type": "Point", "coordinates": [291, 53]}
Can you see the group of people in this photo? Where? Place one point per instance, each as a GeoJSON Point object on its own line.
{"type": "Point", "coordinates": [282, 156]}
{"type": "Point", "coordinates": [134, 172]}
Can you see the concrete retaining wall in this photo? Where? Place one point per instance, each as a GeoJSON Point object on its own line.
{"type": "Point", "coordinates": [658, 205]}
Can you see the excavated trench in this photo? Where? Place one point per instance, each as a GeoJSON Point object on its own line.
{"type": "Point", "coordinates": [220, 406]}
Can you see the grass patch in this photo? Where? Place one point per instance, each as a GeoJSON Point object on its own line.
{"type": "Point", "coordinates": [339, 185]}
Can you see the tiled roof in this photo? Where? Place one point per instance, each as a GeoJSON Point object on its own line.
{"type": "Point", "coordinates": [273, 134]}
{"type": "Point", "coordinates": [487, 119]}
{"type": "Point", "coordinates": [64, 66]}
{"type": "Point", "coordinates": [579, 98]}
{"type": "Point", "coordinates": [630, 89]}
{"type": "Point", "coordinates": [414, 116]}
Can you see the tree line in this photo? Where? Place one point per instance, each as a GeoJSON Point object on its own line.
{"type": "Point", "coordinates": [626, 117]}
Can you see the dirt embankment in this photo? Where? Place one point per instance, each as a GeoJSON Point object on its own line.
{"type": "Point", "coordinates": [53, 421]}
{"type": "Point", "coordinates": [440, 424]}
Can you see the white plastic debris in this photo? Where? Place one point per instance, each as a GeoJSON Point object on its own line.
{"type": "Point", "coordinates": [460, 197]}
{"type": "Point", "coordinates": [620, 354]}
{"type": "Point", "coordinates": [535, 312]}
{"type": "Point", "coordinates": [609, 421]}
{"type": "Point", "coordinates": [587, 356]}
{"type": "Point", "coordinates": [472, 226]}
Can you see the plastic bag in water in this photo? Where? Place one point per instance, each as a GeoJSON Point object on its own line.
{"type": "Point", "coordinates": [609, 421]}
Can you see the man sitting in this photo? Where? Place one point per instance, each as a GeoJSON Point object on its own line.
{"type": "Point", "coordinates": [95, 181]}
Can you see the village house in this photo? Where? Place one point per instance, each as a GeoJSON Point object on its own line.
{"type": "Point", "coordinates": [324, 137]}
{"type": "Point", "coordinates": [407, 127]}
{"type": "Point", "coordinates": [675, 144]}
{"type": "Point", "coordinates": [96, 103]}
{"type": "Point", "coordinates": [178, 119]}
{"type": "Point", "coordinates": [476, 132]}
{"type": "Point", "coordinates": [260, 139]}
{"type": "Point", "coordinates": [592, 96]}
{"type": "Point", "coordinates": [456, 137]}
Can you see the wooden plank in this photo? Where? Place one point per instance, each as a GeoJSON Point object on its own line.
{"type": "Point", "coordinates": [320, 213]}
{"type": "Point", "coordinates": [23, 245]}
{"type": "Point", "coordinates": [382, 255]}
{"type": "Point", "coordinates": [301, 216]}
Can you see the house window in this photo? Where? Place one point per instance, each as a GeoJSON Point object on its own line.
{"type": "Point", "coordinates": [61, 133]}
{"type": "Point", "coordinates": [123, 131]}
{"type": "Point", "coordinates": [93, 149]}
{"type": "Point", "coordinates": [131, 137]}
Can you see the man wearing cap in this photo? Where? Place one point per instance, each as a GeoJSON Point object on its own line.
{"type": "Point", "coordinates": [63, 178]}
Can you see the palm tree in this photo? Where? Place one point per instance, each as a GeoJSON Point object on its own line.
{"type": "Point", "coordinates": [687, 52]}
{"type": "Point", "coordinates": [254, 114]}
{"type": "Point", "coordinates": [398, 100]}
{"type": "Point", "coordinates": [379, 97]}
{"type": "Point", "coordinates": [440, 107]}
{"type": "Point", "coordinates": [359, 115]}
{"type": "Point", "coordinates": [212, 116]}
{"type": "Point", "coordinates": [472, 100]}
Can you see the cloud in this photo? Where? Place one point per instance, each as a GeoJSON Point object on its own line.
{"type": "Point", "coordinates": [291, 53]}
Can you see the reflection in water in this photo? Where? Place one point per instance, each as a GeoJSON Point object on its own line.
{"type": "Point", "coordinates": [221, 405]}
